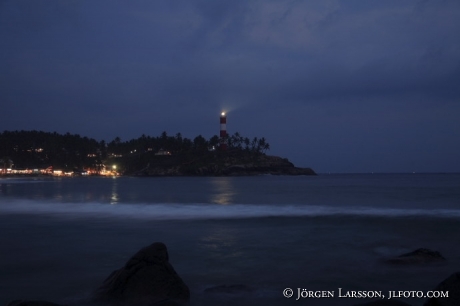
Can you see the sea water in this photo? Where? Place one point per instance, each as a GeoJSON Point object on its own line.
{"type": "Point", "coordinates": [61, 237]}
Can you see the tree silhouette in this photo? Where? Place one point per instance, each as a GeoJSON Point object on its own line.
{"type": "Point", "coordinates": [6, 162]}
{"type": "Point", "coordinates": [200, 143]}
{"type": "Point", "coordinates": [41, 149]}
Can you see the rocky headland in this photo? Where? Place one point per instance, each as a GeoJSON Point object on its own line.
{"type": "Point", "coordinates": [41, 153]}
{"type": "Point", "coordinates": [216, 164]}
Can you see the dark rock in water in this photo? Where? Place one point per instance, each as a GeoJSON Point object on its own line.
{"type": "Point", "coordinates": [31, 303]}
{"type": "Point", "coordinates": [230, 289]}
{"type": "Point", "coordinates": [418, 256]}
{"type": "Point", "coordinates": [384, 303]}
{"type": "Point", "coordinates": [451, 285]}
{"type": "Point", "coordinates": [146, 279]}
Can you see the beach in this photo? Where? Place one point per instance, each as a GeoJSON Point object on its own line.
{"type": "Point", "coordinates": [62, 237]}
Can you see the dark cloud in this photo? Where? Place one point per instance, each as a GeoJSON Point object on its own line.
{"type": "Point", "coordinates": [337, 85]}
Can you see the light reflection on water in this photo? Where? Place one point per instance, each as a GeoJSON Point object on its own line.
{"type": "Point", "coordinates": [372, 191]}
{"type": "Point", "coordinates": [225, 191]}
{"type": "Point", "coordinates": [220, 237]}
{"type": "Point", "coordinates": [114, 198]}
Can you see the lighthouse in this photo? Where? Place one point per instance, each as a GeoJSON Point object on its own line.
{"type": "Point", "coordinates": [223, 131]}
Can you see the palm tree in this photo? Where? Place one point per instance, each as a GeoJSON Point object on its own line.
{"type": "Point", "coordinates": [254, 144]}
{"type": "Point", "coordinates": [266, 147]}
{"type": "Point", "coordinates": [238, 141]}
{"type": "Point", "coordinates": [246, 143]}
{"type": "Point", "coordinates": [262, 145]}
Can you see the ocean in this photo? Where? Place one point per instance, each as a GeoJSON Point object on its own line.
{"type": "Point", "coordinates": [61, 237]}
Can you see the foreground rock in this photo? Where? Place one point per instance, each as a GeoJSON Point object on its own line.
{"type": "Point", "coordinates": [418, 256]}
{"type": "Point", "coordinates": [146, 279]}
{"type": "Point", "coordinates": [451, 285]}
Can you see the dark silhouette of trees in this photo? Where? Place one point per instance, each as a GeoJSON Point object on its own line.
{"type": "Point", "coordinates": [200, 143]}
{"type": "Point", "coordinates": [214, 141]}
{"type": "Point", "coordinates": [30, 149]}
{"type": "Point", "coordinates": [33, 149]}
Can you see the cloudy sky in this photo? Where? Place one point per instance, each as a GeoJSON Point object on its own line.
{"type": "Point", "coordinates": [336, 85]}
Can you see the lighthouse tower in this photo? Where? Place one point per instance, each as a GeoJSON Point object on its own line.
{"type": "Point", "coordinates": [223, 131]}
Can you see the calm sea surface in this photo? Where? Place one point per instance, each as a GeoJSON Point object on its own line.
{"type": "Point", "coordinates": [60, 238]}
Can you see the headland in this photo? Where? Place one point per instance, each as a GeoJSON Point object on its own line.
{"type": "Point", "coordinates": [40, 153]}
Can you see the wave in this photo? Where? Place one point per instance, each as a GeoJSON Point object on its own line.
{"type": "Point", "coordinates": [176, 211]}
{"type": "Point", "coordinates": [25, 180]}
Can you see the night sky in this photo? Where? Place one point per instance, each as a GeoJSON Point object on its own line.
{"type": "Point", "coordinates": [336, 85]}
